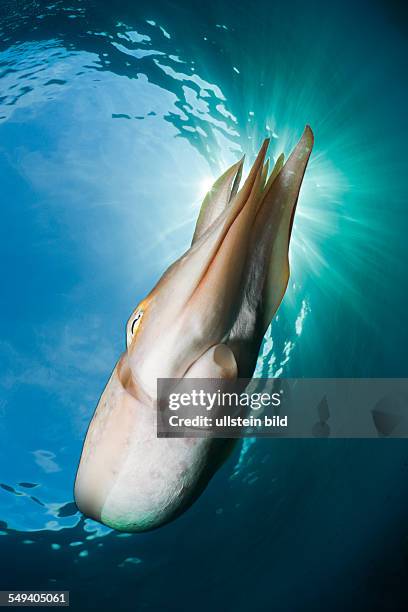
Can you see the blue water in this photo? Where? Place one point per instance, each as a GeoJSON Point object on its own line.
{"type": "Point", "coordinates": [114, 119]}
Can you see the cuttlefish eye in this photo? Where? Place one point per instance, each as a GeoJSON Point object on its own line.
{"type": "Point", "coordinates": [136, 321]}
{"type": "Point", "coordinates": [133, 324]}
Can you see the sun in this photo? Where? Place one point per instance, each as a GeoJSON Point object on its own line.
{"type": "Point", "coordinates": [204, 186]}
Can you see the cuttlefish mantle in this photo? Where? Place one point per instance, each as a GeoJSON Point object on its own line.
{"type": "Point", "coordinates": [205, 318]}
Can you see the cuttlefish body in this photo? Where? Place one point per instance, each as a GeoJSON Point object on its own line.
{"type": "Point", "coordinates": [205, 318]}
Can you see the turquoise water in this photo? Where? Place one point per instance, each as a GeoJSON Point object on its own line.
{"type": "Point", "coordinates": [114, 119]}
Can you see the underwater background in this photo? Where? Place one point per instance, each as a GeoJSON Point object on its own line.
{"type": "Point", "coordinates": [115, 117]}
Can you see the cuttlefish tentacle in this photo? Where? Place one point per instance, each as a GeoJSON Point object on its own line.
{"type": "Point", "coordinates": [218, 198]}
{"type": "Point", "coordinates": [205, 318]}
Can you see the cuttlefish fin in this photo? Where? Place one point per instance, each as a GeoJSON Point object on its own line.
{"type": "Point", "coordinates": [274, 221]}
{"type": "Point", "coordinates": [218, 198]}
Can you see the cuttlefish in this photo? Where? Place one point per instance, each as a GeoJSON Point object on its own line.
{"type": "Point", "coordinates": [205, 318]}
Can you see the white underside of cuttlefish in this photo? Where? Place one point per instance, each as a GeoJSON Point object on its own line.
{"type": "Point", "coordinates": [205, 318]}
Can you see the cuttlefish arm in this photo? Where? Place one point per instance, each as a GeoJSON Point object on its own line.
{"type": "Point", "coordinates": [205, 318]}
{"type": "Point", "coordinates": [267, 267]}
{"type": "Point", "coordinates": [218, 198]}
